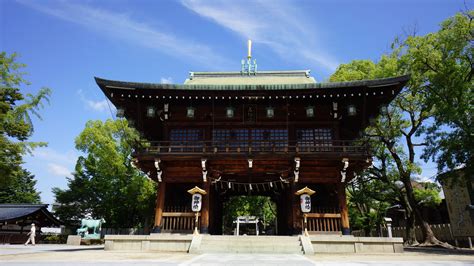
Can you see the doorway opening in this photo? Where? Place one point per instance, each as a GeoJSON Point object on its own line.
{"type": "Point", "coordinates": [255, 213]}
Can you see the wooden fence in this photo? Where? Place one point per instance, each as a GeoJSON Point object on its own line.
{"type": "Point", "coordinates": [441, 231]}
{"type": "Point", "coordinates": [124, 231]}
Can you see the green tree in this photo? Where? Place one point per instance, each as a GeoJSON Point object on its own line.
{"type": "Point", "coordinates": [444, 64]}
{"type": "Point", "coordinates": [15, 129]}
{"type": "Point", "coordinates": [396, 130]}
{"type": "Point", "coordinates": [20, 189]}
{"type": "Point", "coordinates": [373, 191]}
{"type": "Point", "coordinates": [105, 184]}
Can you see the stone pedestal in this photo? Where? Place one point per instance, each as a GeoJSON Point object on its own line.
{"type": "Point", "coordinates": [73, 240]}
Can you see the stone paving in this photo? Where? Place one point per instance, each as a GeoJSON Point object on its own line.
{"type": "Point", "coordinates": [53, 255]}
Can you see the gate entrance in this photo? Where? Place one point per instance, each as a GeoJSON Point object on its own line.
{"type": "Point", "coordinates": [249, 215]}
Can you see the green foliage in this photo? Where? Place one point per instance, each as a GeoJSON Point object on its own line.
{"type": "Point", "coordinates": [105, 184]}
{"type": "Point", "coordinates": [390, 136]}
{"type": "Point", "coordinates": [444, 63]}
{"type": "Point", "coordinates": [367, 205]}
{"type": "Point", "coordinates": [355, 70]}
{"type": "Point", "coordinates": [427, 194]}
{"type": "Point", "coordinates": [441, 87]}
{"type": "Point", "coordinates": [259, 206]}
{"type": "Point", "coordinates": [15, 129]}
{"type": "Point", "coordinates": [20, 189]}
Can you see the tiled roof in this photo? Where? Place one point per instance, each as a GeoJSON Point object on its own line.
{"type": "Point", "coordinates": [10, 212]}
{"type": "Point", "coordinates": [113, 84]}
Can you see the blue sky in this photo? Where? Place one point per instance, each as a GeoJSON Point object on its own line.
{"type": "Point", "coordinates": [66, 43]}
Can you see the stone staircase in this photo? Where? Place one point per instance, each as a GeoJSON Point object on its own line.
{"type": "Point", "coordinates": [250, 244]}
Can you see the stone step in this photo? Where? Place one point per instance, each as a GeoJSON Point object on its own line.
{"type": "Point", "coordinates": [249, 237]}
{"type": "Point", "coordinates": [251, 244]}
{"type": "Point", "coordinates": [229, 244]}
{"type": "Point", "coordinates": [252, 251]}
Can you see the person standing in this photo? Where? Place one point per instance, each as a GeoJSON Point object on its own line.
{"type": "Point", "coordinates": [32, 235]}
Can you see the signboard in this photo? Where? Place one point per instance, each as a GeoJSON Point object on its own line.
{"type": "Point", "coordinates": [305, 202]}
{"type": "Point", "coordinates": [458, 201]}
{"type": "Point", "coordinates": [196, 202]}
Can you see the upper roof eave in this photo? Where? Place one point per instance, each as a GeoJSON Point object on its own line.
{"type": "Point", "coordinates": [127, 86]}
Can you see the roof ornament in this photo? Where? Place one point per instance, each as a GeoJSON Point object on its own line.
{"type": "Point", "coordinates": [248, 67]}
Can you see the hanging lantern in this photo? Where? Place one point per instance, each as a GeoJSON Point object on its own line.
{"type": "Point", "coordinates": [310, 111]}
{"type": "Point", "coordinates": [150, 111]}
{"type": "Point", "coordinates": [351, 110]}
{"type": "Point", "coordinates": [190, 112]}
{"type": "Point", "coordinates": [120, 112]}
{"type": "Point", "coordinates": [230, 112]}
{"type": "Point", "coordinates": [270, 112]}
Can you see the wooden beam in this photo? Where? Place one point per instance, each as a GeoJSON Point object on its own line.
{"type": "Point", "coordinates": [324, 215]}
{"type": "Point", "coordinates": [179, 214]}
{"type": "Point", "coordinates": [160, 204]}
{"type": "Point", "coordinates": [341, 195]}
{"type": "Point", "coordinates": [205, 208]}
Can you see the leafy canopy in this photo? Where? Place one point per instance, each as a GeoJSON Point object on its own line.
{"type": "Point", "coordinates": [444, 63]}
{"type": "Point", "coordinates": [15, 129]}
{"type": "Point", "coordinates": [105, 184]}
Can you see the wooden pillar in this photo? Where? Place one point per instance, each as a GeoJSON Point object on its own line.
{"type": "Point", "coordinates": [341, 195]}
{"type": "Point", "coordinates": [295, 210]}
{"type": "Point", "coordinates": [205, 208]}
{"type": "Point", "coordinates": [160, 205]}
{"type": "Point", "coordinates": [291, 206]}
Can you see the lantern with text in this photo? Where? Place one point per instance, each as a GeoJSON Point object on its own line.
{"type": "Point", "coordinates": [305, 204]}
{"type": "Point", "coordinates": [196, 204]}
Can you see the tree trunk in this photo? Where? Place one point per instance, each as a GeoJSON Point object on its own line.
{"type": "Point", "coordinates": [429, 239]}
{"type": "Point", "coordinates": [410, 230]}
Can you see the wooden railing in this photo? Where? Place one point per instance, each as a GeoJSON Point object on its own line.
{"type": "Point", "coordinates": [179, 222]}
{"type": "Point", "coordinates": [324, 222]}
{"type": "Point", "coordinates": [251, 147]}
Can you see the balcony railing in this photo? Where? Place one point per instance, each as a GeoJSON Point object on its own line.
{"type": "Point", "coordinates": [252, 147]}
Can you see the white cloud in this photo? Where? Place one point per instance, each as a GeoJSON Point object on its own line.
{"type": "Point", "coordinates": [123, 26]}
{"type": "Point", "coordinates": [276, 23]}
{"type": "Point", "coordinates": [57, 163]}
{"type": "Point", "coordinates": [59, 170]}
{"type": "Point", "coordinates": [51, 155]}
{"type": "Point", "coordinates": [99, 106]}
{"type": "Point", "coordinates": [167, 80]}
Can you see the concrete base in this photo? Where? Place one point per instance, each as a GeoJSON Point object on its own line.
{"type": "Point", "coordinates": [254, 244]}
{"type": "Point", "coordinates": [73, 240]}
{"type": "Point", "coordinates": [351, 244]}
{"type": "Point", "coordinates": [153, 242]}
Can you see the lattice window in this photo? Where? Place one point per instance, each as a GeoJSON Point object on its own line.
{"type": "Point", "coordinates": [186, 139]}
{"type": "Point", "coordinates": [319, 138]}
{"type": "Point", "coordinates": [258, 137]}
{"type": "Point", "coordinates": [186, 135]}
{"type": "Point", "coordinates": [232, 137]}
{"type": "Point", "coordinates": [269, 137]}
